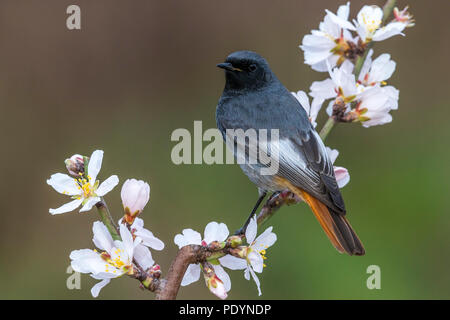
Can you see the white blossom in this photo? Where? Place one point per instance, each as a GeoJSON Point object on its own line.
{"type": "Point", "coordinates": [254, 261]}
{"type": "Point", "coordinates": [377, 71]}
{"type": "Point", "coordinates": [330, 42]}
{"type": "Point", "coordinates": [213, 232]}
{"type": "Point", "coordinates": [368, 25]}
{"type": "Point", "coordinates": [341, 173]}
{"type": "Point", "coordinates": [115, 260]}
{"type": "Point", "coordinates": [135, 195]}
{"type": "Point", "coordinates": [374, 106]}
{"type": "Point", "coordinates": [312, 110]}
{"type": "Point", "coordinates": [84, 190]}
{"type": "Point", "coordinates": [148, 240]}
{"type": "Point", "coordinates": [341, 83]}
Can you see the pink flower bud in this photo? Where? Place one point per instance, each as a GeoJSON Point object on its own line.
{"type": "Point", "coordinates": [135, 195]}
{"type": "Point", "coordinates": [75, 165]}
{"type": "Point", "coordinates": [404, 16]}
{"type": "Point", "coordinates": [216, 286]}
{"type": "Point", "coordinates": [155, 271]}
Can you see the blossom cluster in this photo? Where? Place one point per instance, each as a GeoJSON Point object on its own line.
{"type": "Point", "coordinates": [127, 251]}
{"type": "Point", "coordinates": [358, 94]}
{"type": "Point", "coordinates": [249, 258]}
{"type": "Point", "coordinates": [112, 258]}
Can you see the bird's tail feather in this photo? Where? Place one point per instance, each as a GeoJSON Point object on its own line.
{"type": "Point", "coordinates": [335, 225]}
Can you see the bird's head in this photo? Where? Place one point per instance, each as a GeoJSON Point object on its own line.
{"type": "Point", "coordinates": [246, 70]}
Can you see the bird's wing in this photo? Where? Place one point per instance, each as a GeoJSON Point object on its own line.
{"type": "Point", "coordinates": [304, 161]}
{"type": "Point", "coordinates": [300, 158]}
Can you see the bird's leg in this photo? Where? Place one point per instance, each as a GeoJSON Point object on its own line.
{"type": "Point", "coordinates": [273, 195]}
{"type": "Point", "coordinates": [260, 199]}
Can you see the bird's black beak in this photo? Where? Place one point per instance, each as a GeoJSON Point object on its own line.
{"type": "Point", "coordinates": [228, 66]}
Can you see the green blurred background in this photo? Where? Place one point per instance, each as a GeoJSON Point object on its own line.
{"type": "Point", "coordinates": [140, 69]}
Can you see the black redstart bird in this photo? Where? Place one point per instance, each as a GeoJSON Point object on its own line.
{"type": "Point", "coordinates": [254, 98]}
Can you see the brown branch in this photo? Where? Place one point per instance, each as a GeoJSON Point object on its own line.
{"type": "Point", "coordinates": [185, 256]}
{"type": "Point", "coordinates": [274, 203]}
{"type": "Point", "coordinates": [168, 287]}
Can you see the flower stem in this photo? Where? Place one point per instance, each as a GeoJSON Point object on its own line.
{"type": "Point", "coordinates": [327, 128]}
{"type": "Point", "coordinates": [387, 10]}
{"type": "Point", "coordinates": [107, 219]}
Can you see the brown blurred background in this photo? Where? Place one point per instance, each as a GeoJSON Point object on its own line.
{"type": "Point", "coordinates": [140, 69]}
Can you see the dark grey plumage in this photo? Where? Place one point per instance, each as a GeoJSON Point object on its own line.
{"type": "Point", "coordinates": [255, 98]}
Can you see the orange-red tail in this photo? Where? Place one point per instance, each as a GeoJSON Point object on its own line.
{"type": "Point", "coordinates": [335, 225]}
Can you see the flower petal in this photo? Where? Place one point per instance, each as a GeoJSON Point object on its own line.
{"type": "Point", "coordinates": [149, 240]}
{"type": "Point", "coordinates": [189, 236]}
{"type": "Point", "coordinates": [366, 66]}
{"type": "Point", "coordinates": [323, 89]}
{"type": "Point", "coordinates": [342, 176]}
{"type": "Point", "coordinates": [255, 277]}
{"type": "Point", "coordinates": [382, 68]}
{"type": "Point", "coordinates": [252, 228]}
{"type": "Point", "coordinates": [343, 23]}
{"type": "Point", "coordinates": [216, 232]}
{"type": "Point", "coordinates": [379, 120]}
{"type": "Point", "coordinates": [92, 201]}
{"type": "Point", "coordinates": [64, 184]}
{"type": "Point", "coordinates": [256, 261]}
{"type": "Point", "coordinates": [392, 93]}
{"type": "Point", "coordinates": [192, 274]}
{"type": "Point", "coordinates": [138, 223]}
{"type": "Point", "coordinates": [247, 273]}
{"type": "Point", "coordinates": [143, 256]}
{"type": "Point", "coordinates": [333, 154]}
{"type": "Point", "coordinates": [233, 263]}
{"type": "Point", "coordinates": [223, 276]}
{"type": "Point", "coordinates": [265, 240]}
{"type": "Point", "coordinates": [127, 240]}
{"type": "Point", "coordinates": [99, 286]}
{"type": "Point", "coordinates": [316, 105]}
{"type": "Point", "coordinates": [107, 185]}
{"type": "Point", "coordinates": [390, 30]}
{"type": "Point", "coordinates": [102, 238]}
{"type": "Point", "coordinates": [87, 261]}
{"type": "Point", "coordinates": [302, 97]}
{"type": "Point", "coordinates": [95, 164]}
{"type": "Point", "coordinates": [70, 206]}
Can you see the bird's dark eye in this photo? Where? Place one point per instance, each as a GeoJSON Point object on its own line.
{"type": "Point", "coordinates": [252, 67]}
